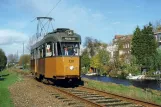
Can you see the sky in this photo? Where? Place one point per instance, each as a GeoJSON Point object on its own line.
{"type": "Point", "coordinates": [100, 19]}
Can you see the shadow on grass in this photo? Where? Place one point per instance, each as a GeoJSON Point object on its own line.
{"type": "Point", "coordinates": [5, 75]}
{"type": "Point", "coordinates": [2, 79]}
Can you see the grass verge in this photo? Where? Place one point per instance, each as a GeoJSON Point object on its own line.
{"type": "Point", "coordinates": [148, 95]}
{"type": "Point", "coordinates": [7, 78]}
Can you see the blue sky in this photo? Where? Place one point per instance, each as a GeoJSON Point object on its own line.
{"type": "Point", "coordinates": [100, 19]}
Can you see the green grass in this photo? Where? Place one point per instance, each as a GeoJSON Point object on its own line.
{"type": "Point", "coordinates": [149, 95]}
{"type": "Point", "coordinates": [5, 100]}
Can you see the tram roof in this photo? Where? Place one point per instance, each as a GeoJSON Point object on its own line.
{"type": "Point", "coordinates": [58, 37]}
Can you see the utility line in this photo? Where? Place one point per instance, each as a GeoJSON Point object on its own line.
{"type": "Point", "coordinates": [53, 7]}
{"type": "Point", "coordinates": [50, 10]}
{"type": "Point", "coordinates": [47, 15]}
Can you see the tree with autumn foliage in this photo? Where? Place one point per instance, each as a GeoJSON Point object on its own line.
{"type": "Point", "coordinates": [94, 62]}
{"type": "Point", "coordinates": [91, 47]}
{"type": "Point", "coordinates": [157, 26]}
{"type": "Point", "coordinates": [95, 55]}
{"type": "Point", "coordinates": [24, 60]}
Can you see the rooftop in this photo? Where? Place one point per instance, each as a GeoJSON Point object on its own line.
{"type": "Point", "coordinates": [125, 37]}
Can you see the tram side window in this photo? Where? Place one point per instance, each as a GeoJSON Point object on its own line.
{"type": "Point", "coordinates": [54, 52]}
{"type": "Point", "coordinates": [36, 52]}
{"type": "Point", "coordinates": [59, 49]}
{"type": "Point", "coordinates": [32, 55]}
{"type": "Point", "coordinates": [39, 52]}
{"type": "Point", "coordinates": [49, 49]}
{"type": "Point", "coordinates": [43, 49]}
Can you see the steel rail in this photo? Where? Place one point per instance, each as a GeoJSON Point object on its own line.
{"type": "Point", "coordinates": [77, 97]}
{"type": "Point", "coordinates": [136, 101]}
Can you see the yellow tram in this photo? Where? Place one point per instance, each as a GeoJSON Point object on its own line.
{"type": "Point", "coordinates": [57, 56]}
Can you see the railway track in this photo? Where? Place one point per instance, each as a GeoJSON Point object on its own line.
{"type": "Point", "coordinates": [123, 98]}
{"type": "Point", "coordinates": [97, 98]}
{"type": "Point", "coordinates": [83, 96]}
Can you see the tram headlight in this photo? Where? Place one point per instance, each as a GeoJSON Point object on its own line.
{"type": "Point", "coordinates": [71, 67]}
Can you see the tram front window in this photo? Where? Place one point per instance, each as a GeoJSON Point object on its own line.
{"type": "Point", "coordinates": [70, 49]}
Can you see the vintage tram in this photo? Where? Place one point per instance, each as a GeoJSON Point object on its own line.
{"type": "Point", "coordinates": [57, 56]}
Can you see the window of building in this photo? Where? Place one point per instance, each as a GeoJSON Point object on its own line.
{"type": "Point", "coordinates": [128, 45]}
{"type": "Point", "coordinates": [159, 36]}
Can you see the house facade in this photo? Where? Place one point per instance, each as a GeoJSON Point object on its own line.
{"type": "Point", "coordinates": [158, 38]}
{"type": "Point", "coordinates": [121, 46]}
{"type": "Point", "coordinates": [111, 49]}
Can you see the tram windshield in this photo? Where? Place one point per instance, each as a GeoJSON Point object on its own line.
{"type": "Point", "coordinates": [70, 49]}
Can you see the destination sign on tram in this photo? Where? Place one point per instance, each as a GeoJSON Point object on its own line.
{"type": "Point", "coordinates": [69, 38]}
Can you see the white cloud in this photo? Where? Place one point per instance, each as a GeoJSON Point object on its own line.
{"type": "Point", "coordinates": [11, 40]}
{"type": "Point", "coordinates": [21, 24]}
{"type": "Point", "coordinates": [11, 36]}
{"type": "Point", "coordinates": [76, 16]}
{"type": "Point", "coordinates": [85, 21]}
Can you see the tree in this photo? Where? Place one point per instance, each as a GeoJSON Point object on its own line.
{"type": "Point", "coordinates": [94, 62]}
{"type": "Point", "coordinates": [95, 55]}
{"type": "Point", "coordinates": [156, 62]}
{"type": "Point", "coordinates": [117, 60]}
{"type": "Point", "coordinates": [103, 58]}
{"type": "Point", "coordinates": [157, 26]}
{"type": "Point", "coordinates": [144, 45]}
{"type": "Point", "coordinates": [24, 60]}
{"type": "Point", "coordinates": [12, 58]}
{"type": "Point", "coordinates": [92, 45]}
{"type": "Point", "coordinates": [137, 41]}
{"type": "Point", "coordinates": [30, 42]}
{"type": "Point", "coordinates": [3, 60]}
{"type": "Point", "coordinates": [85, 60]}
